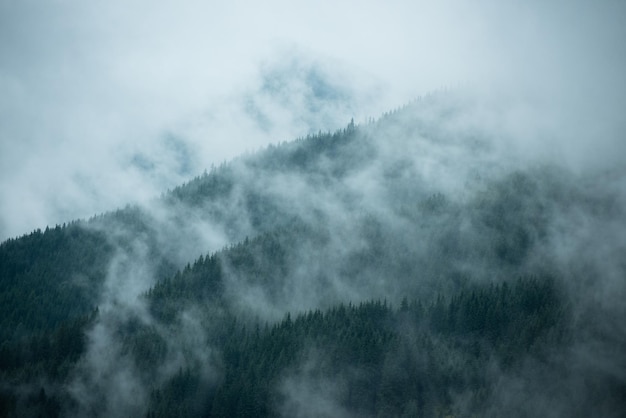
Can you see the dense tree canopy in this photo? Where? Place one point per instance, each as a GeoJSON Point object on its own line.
{"type": "Point", "coordinates": [333, 275]}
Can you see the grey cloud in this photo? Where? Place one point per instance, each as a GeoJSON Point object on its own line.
{"type": "Point", "coordinates": [304, 392]}
{"type": "Point", "coordinates": [376, 187]}
{"type": "Point", "coordinates": [118, 102]}
{"type": "Point", "coordinates": [81, 82]}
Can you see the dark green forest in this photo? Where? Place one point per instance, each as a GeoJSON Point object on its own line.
{"type": "Point", "coordinates": [394, 268]}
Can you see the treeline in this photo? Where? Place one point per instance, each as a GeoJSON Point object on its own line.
{"type": "Point", "coordinates": [328, 221]}
{"type": "Point", "coordinates": [49, 277]}
{"type": "Point", "coordinates": [413, 360]}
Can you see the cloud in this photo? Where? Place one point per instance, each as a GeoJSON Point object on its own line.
{"type": "Point", "coordinates": [304, 393]}
{"type": "Point", "coordinates": [115, 102]}
{"type": "Point", "coordinates": [89, 92]}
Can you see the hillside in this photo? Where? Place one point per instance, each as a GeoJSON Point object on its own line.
{"type": "Point", "coordinates": [405, 267]}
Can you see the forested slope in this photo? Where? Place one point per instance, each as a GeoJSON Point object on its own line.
{"type": "Point", "coordinates": [406, 267]}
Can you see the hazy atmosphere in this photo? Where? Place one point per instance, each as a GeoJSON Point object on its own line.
{"type": "Point", "coordinates": [112, 102]}
{"type": "Point", "coordinates": [354, 209]}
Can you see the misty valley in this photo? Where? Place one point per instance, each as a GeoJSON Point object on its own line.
{"type": "Point", "coordinates": [410, 266]}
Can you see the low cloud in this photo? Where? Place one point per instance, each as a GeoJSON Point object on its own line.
{"type": "Point", "coordinates": [118, 103]}
{"type": "Point", "coordinates": [90, 93]}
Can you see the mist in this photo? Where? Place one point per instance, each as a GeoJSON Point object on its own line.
{"type": "Point", "coordinates": [113, 103]}
{"type": "Point", "coordinates": [470, 130]}
{"type": "Point", "coordinates": [421, 202]}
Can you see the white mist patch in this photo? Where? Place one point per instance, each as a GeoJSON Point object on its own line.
{"type": "Point", "coordinates": [105, 376]}
{"type": "Point", "coordinates": [303, 393]}
{"type": "Point", "coordinates": [79, 84]}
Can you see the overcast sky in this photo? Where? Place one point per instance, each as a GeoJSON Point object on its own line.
{"type": "Point", "coordinates": [104, 103]}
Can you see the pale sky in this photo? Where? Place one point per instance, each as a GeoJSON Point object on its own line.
{"type": "Point", "coordinates": [104, 103]}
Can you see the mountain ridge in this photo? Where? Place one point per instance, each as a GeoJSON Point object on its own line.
{"type": "Point", "coordinates": [130, 312]}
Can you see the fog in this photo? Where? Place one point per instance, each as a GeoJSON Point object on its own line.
{"type": "Point", "coordinates": [118, 102]}
{"type": "Point", "coordinates": [114, 102]}
{"type": "Point", "coordinates": [422, 202]}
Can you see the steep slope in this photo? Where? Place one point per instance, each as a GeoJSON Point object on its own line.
{"type": "Point", "coordinates": [371, 359]}
{"type": "Point", "coordinates": [182, 302]}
